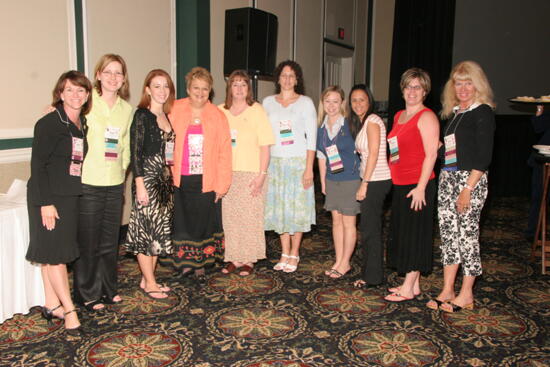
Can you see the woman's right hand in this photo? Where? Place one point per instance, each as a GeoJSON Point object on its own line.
{"type": "Point", "coordinates": [141, 195]}
{"type": "Point", "coordinates": [49, 215]}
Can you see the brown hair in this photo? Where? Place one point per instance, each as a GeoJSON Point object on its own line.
{"type": "Point", "coordinates": [466, 70]}
{"type": "Point", "coordinates": [145, 101]}
{"type": "Point", "coordinates": [299, 87]}
{"type": "Point", "coordinates": [238, 75]}
{"type": "Point", "coordinates": [416, 73]}
{"type": "Point", "coordinates": [198, 72]}
{"type": "Point", "coordinates": [76, 78]}
{"type": "Point", "coordinates": [124, 91]}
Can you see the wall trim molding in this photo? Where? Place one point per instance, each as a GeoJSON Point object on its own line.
{"type": "Point", "coordinates": [16, 133]}
{"type": "Point", "coordinates": [15, 155]}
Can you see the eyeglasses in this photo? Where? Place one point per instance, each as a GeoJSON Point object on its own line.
{"type": "Point", "coordinates": [413, 87]}
{"type": "Point", "coordinates": [110, 74]}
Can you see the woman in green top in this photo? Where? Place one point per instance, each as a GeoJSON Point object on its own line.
{"type": "Point", "coordinates": [103, 175]}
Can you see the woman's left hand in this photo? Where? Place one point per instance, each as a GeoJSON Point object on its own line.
{"type": "Point", "coordinates": [463, 201]}
{"type": "Point", "coordinates": [418, 198]}
{"type": "Point", "coordinates": [256, 185]}
{"type": "Point", "coordinates": [219, 196]}
{"type": "Point", "coordinates": [307, 179]}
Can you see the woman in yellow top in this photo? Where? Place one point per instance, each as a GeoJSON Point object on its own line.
{"type": "Point", "coordinates": [243, 206]}
{"type": "Point", "coordinates": [103, 175]}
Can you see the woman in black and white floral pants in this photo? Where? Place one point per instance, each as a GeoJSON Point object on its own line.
{"type": "Point", "coordinates": [467, 150]}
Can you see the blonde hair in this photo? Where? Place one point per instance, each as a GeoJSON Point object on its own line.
{"type": "Point", "coordinates": [124, 91]}
{"type": "Point", "coordinates": [201, 73]}
{"type": "Point", "coordinates": [321, 109]}
{"type": "Point", "coordinates": [466, 70]}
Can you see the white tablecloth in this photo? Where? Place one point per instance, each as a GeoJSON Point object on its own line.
{"type": "Point", "coordinates": [20, 281]}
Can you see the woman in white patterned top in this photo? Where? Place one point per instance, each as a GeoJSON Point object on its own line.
{"type": "Point", "coordinates": [370, 143]}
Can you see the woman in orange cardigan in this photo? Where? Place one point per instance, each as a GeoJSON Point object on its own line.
{"type": "Point", "coordinates": [202, 176]}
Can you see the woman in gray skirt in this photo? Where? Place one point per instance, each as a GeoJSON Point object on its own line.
{"type": "Point", "coordinates": [339, 173]}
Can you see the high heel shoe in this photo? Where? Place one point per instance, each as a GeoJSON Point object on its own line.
{"type": "Point", "coordinates": [48, 313]}
{"type": "Point", "coordinates": [292, 268]}
{"type": "Point", "coordinates": [76, 331]}
{"type": "Point", "coordinates": [281, 265]}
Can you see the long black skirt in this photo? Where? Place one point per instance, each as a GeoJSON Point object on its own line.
{"type": "Point", "coordinates": [410, 246]}
{"type": "Point", "coordinates": [197, 234]}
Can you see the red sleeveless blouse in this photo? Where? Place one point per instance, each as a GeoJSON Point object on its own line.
{"type": "Point", "coordinates": [411, 151]}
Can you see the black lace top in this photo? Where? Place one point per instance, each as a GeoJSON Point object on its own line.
{"type": "Point", "coordinates": [146, 139]}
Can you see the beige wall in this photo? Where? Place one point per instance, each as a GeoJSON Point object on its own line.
{"type": "Point", "coordinates": [309, 41]}
{"type": "Point", "coordinates": [284, 10]}
{"type": "Point", "coordinates": [11, 171]}
{"type": "Point", "coordinates": [142, 37]}
{"type": "Point", "coordinates": [339, 14]}
{"type": "Point", "coordinates": [35, 49]}
{"type": "Point", "coordinates": [381, 48]}
{"type": "Point", "coordinates": [361, 16]}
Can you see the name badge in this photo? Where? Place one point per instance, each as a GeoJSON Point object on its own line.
{"type": "Point", "coordinates": [285, 132]}
{"type": "Point", "coordinates": [194, 142]}
{"type": "Point", "coordinates": [169, 153]}
{"type": "Point", "coordinates": [77, 156]}
{"type": "Point", "coordinates": [233, 138]}
{"type": "Point", "coordinates": [335, 162]}
{"type": "Point", "coordinates": [78, 149]}
{"type": "Point", "coordinates": [450, 153]}
{"type": "Point", "coordinates": [394, 150]}
{"type": "Point", "coordinates": [112, 135]}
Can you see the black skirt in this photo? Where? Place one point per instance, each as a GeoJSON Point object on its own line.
{"type": "Point", "coordinates": [58, 246]}
{"type": "Point", "coordinates": [197, 234]}
{"type": "Point", "coordinates": [410, 246]}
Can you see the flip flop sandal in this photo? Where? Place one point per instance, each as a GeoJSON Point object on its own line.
{"type": "Point", "coordinates": [246, 269]}
{"type": "Point", "coordinates": [398, 298]}
{"type": "Point", "coordinates": [229, 268]}
{"type": "Point", "coordinates": [150, 293]}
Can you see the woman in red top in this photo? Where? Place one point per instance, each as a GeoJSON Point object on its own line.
{"type": "Point", "coordinates": [413, 144]}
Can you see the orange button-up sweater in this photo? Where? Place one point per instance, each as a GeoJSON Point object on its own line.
{"type": "Point", "coordinates": [216, 145]}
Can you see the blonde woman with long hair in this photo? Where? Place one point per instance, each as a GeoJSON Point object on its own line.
{"type": "Point", "coordinates": [468, 145]}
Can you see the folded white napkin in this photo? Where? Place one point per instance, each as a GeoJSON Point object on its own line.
{"type": "Point", "coordinates": [17, 193]}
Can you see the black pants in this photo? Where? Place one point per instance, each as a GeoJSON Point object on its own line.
{"type": "Point", "coordinates": [371, 231]}
{"type": "Point", "coordinates": [95, 272]}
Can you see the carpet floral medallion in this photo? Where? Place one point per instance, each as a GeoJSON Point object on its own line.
{"type": "Point", "coordinates": [306, 319]}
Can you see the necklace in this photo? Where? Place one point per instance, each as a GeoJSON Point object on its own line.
{"type": "Point", "coordinates": [196, 121]}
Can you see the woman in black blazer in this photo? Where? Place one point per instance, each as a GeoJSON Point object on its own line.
{"type": "Point", "coordinates": [53, 192]}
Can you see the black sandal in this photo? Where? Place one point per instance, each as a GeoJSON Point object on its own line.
{"type": "Point", "coordinates": [110, 301]}
{"type": "Point", "coordinates": [77, 331]}
{"type": "Point", "coordinates": [47, 313]}
{"type": "Point", "coordinates": [90, 306]}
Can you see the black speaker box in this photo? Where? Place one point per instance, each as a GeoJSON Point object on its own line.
{"type": "Point", "coordinates": [250, 41]}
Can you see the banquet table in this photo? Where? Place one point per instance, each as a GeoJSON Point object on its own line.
{"type": "Point", "coordinates": [20, 281]}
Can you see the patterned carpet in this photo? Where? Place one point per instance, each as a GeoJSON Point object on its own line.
{"type": "Point", "coordinates": [303, 319]}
